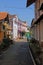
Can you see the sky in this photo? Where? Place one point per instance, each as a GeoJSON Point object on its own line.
{"type": "Point", "coordinates": [18, 7]}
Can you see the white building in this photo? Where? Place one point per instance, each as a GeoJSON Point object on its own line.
{"type": "Point", "coordinates": [15, 29]}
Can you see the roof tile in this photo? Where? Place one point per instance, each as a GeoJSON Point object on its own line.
{"type": "Point", "coordinates": [3, 15]}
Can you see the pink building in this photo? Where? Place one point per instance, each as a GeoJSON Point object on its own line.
{"type": "Point", "coordinates": [22, 27]}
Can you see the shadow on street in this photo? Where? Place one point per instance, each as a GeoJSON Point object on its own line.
{"type": "Point", "coordinates": [16, 54]}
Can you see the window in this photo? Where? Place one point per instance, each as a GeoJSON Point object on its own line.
{"type": "Point", "coordinates": [3, 27]}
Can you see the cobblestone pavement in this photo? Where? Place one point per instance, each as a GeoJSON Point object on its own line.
{"type": "Point", "coordinates": [17, 54]}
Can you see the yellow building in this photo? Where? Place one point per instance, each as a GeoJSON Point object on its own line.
{"type": "Point", "coordinates": [4, 25]}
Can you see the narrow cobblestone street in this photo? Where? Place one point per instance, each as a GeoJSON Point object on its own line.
{"type": "Point", "coordinates": [17, 54]}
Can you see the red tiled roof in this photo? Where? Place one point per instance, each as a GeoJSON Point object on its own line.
{"type": "Point", "coordinates": [29, 2]}
{"type": "Point", "coordinates": [3, 15]}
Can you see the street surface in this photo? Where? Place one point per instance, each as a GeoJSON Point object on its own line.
{"type": "Point", "coordinates": [17, 54]}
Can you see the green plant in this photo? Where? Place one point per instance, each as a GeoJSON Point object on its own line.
{"type": "Point", "coordinates": [34, 44]}
{"type": "Point", "coordinates": [2, 45]}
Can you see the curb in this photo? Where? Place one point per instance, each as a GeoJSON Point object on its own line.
{"type": "Point", "coordinates": [32, 57]}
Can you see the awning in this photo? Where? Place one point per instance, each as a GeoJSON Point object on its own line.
{"type": "Point", "coordinates": [41, 8]}
{"type": "Point", "coordinates": [29, 2]}
{"type": "Point", "coordinates": [39, 19]}
{"type": "Point", "coordinates": [27, 31]}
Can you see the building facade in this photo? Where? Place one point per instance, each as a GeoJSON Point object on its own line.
{"type": "Point", "coordinates": [20, 27]}
{"type": "Point", "coordinates": [37, 23]}
{"type": "Point", "coordinates": [13, 27]}
{"type": "Point", "coordinates": [5, 28]}
{"type": "Point", "coordinates": [3, 20]}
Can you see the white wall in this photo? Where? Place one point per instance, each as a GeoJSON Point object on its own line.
{"type": "Point", "coordinates": [15, 29]}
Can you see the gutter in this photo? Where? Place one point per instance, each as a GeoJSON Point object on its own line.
{"type": "Point", "coordinates": [32, 57]}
